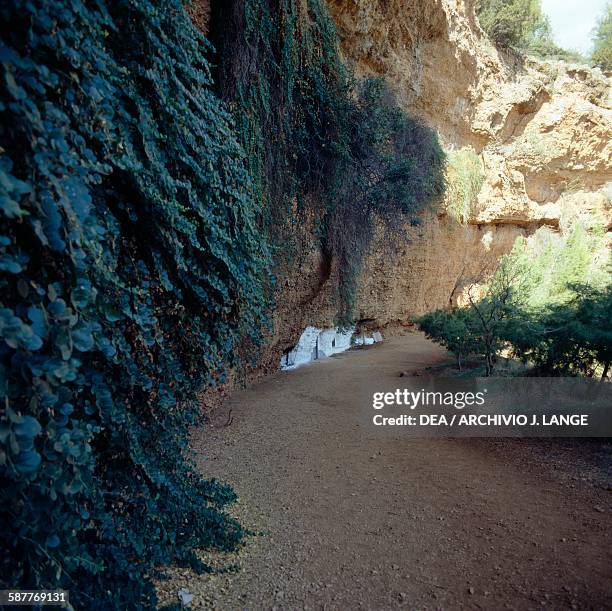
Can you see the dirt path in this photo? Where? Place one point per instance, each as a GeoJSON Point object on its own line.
{"type": "Point", "coordinates": [349, 521]}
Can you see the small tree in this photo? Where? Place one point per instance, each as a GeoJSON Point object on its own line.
{"type": "Point", "coordinates": [503, 294]}
{"type": "Point", "coordinates": [511, 23]}
{"type": "Point", "coordinates": [602, 41]}
{"type": "Point", "coordinates": [573, 337]}
{"type": "Point", "coordinates": [583, 345]}
{"type": "Point", "coordinates": [521, 25]}
{"type": "Point", "coordinates": [456, 330]}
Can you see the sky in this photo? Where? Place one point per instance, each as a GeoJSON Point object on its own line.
{"type": "Point", "coordinates": [572, 21]}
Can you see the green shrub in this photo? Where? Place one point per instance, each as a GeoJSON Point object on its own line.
{"type": "Point", "coordinates": [522, 25]}
{"type": "Point", "coordinates": [569, 338]}
{"type": "Point", "coordinates": [511, 23]}
{"type": "Point", "coordinates": [132, 266]}
{"type": "Point", "coordinates": [457, 330]}
{"type": "Point", "coordinates": [602, 42]}
{"type": "Point", "coordinates": [547, 303]}
{"type": "Point", "coordinates": [557, 321]}
{"type": "Point", "coordinates": [550, 263]}
{"type": "Point", "coordinates": [465, 176]}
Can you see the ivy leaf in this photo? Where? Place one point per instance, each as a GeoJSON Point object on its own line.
{"type": "Point", "coordinates": [57, 308]}
{"type": "Point", "coordinates": [14, 444]}
{"type": "Point", "coordinates": [107, 348]}
{"type": "Point", "coordinates": [13, 88]}
{"type": "Point", "coordinates": [83, 294]}
{"type": "Point", "coordinates": [5, 431]}
{"type": "Point", "coordinates": [8, 263]}
{"type": "Point", "coordinates": [11, 189]}
{"type": "Point", "coordinates": [52, 222]}
{"type": "Point", "coordinates": [10, 208]}
{"type": "Point", "coordinates": [8, 182]}
{"type": "Point", "coordinates": [27, 462]}
{"type": "Point", "coordinates": [13, 416]}
{"type": "Point", "coordinates": [111, 313]}
{"type": "Point", "coordinates": [63, 341]}
{"type": "Point", "coordinates": [23, 288]}
{"type": "Point", "coordinates": [39, 323]}
{"type": "Point", "coordinates": [28, 427]}
{"type": "Point", "coordinates": [29, 339]}
{"type": "Point", "coordinates": [78, 194]}
{"type": "Point", "coordinates": [82, 338]}
{"type": "Point", "coordinates": [67, 409]}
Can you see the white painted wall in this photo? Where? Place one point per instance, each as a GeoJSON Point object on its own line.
{"type": "Point", "coordinates": [332, 341]}
{"type": "Point", "coordinates": [320, 343]}
{"type": "Point", "coordinates": [304, 351]}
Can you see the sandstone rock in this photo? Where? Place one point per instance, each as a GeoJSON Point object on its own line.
{"type": "Point", "coordinates": [541, 129]}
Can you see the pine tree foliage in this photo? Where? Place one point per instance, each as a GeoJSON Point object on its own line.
{"type": "Point", "coordinates": [549, 303]}
{"type": "Point", "coordinates": [511, 23]}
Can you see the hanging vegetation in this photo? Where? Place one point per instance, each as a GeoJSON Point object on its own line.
{"type": "Point", "coordinates": [131, 265]}
{"type": "Point", "coordinates": [340, 147]}
{"type": "Point", "coordinates": [140, 207]}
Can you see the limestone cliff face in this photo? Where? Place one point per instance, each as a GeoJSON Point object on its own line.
{"type": "Point", "coordinates": [542, 130]}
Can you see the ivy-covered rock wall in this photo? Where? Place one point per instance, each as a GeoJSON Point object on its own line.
{"type": "Point", "coordinates": [322, 144]}
{"type": "Point", "coordinates": [131, 266]}
{"type": "Point", "coordinates": [145, 203]}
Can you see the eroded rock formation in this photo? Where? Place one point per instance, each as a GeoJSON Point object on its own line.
{"type": "Point", "coordinates": [542, 131]}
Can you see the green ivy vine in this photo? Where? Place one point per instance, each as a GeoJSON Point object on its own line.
{"type": "Point", "coordinates": [131, 266]}
{"type": "Point", "coordinates": [141, 205]}
{"type": "Point", "coordinates": [337, 145]}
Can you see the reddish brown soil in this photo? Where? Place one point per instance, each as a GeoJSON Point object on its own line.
{"type": "Point", "coordinates": [350, 521]}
